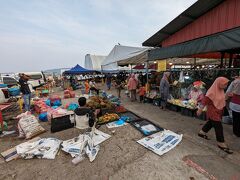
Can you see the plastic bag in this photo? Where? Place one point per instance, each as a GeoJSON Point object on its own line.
{"type": "Point", "coordinates": [43, 117]}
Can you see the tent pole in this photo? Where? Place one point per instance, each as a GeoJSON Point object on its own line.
{"type": "Point", "coordinates": [131, 68]}
{"type": "Point", "coordinates": [147, 83]}
{"type": "Point", "coordinates": [147, 70]}
{"type": "Point", "coordinates": [102, 75]}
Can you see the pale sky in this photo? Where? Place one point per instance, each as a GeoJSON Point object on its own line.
{"type": "Point", "coordinates": [38, 35]}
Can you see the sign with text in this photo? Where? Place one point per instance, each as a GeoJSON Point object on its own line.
{"type": "Point", "coordinates": [162, 65]}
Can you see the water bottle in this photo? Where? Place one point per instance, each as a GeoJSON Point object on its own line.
{"type": "Point", "coordinates": [78, 159]}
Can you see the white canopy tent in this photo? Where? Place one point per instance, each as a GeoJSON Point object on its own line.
{"type": "Point", "coordinates": [93, 62]}
{"type": "Point", "coordinates": [126, 55]}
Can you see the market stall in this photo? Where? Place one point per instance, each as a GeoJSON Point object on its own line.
{"type": "Point", "coordinates": [72, 76]}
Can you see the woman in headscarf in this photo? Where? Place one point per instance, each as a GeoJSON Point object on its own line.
{"type": "Point", "coordinates": [234, 93]}
{"type": "Point", "coordinates": [132, 87]}
{"type": "Point", "coordinates": [164, 89]}
{"type": "Point", "coordinates": [215, 102]}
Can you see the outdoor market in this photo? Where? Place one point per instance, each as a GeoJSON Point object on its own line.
{"type": "Point", "coordinates": [136, 113]}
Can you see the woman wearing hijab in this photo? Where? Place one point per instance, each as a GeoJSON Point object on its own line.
{"type": "Point", "coordinates": [132, 87]}
{"type": "Point", "coordinates": [164, 89]}
{"type": "Point", "coordinates": [215, 102]}
{"type": "Point", "coordinates": [234, 93]}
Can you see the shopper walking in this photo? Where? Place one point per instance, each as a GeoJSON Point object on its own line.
{"type": "Point", "coordinates": [23, 81]}
{"type": "Point", "coordinates": [164, 90]}
{"type": "Point", "coordinates": [132, 87]}
{"type": "Point", "coordinates": [119, 83]}
{"type": "Point", "coordinates": [233, 92]}
{"type": "Point", "coordinates": [109, 81]}
{"type": "Point", "coordinates": [215, 102]}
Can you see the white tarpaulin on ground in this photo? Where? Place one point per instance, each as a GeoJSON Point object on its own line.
{"type": "Point", "coordinates": [161, 142]}
{"type": "Point", "coordinates": [46, 148]}
{"type": "Point", "coordinates": [93, 62]}
{"type": "Point", "coordinates": [119, 53]}
{"type": "Point", "coordinates": [87, 143]}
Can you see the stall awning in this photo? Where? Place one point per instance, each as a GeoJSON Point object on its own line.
{"type": "Point", "coordinates": [93, 62]}
{"type": "Point", "coordinates": [119, 53]}
{"type": "Point", "coordinates": [220, 42]}
{"type": "Point", "coordinates": [78, 70]}
{"type": "Point", "coordinates": [140, 57]}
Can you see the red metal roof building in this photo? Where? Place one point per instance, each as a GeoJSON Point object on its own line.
{"type": "Point", "coordinates": [208, 26]}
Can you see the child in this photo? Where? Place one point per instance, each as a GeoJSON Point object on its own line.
{"type": "Point", "coordinates": [141, 92]}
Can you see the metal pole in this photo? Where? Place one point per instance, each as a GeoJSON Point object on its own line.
{"type": "Point", "coordinates": [147, 70]}
{"type": "Point", "coordinates": [147, 65]}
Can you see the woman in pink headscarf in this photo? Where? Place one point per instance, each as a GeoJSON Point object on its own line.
{"type": "Point", "coordinates": [215, 102]}
{"type": "Point", "coordinates": [132, 87]}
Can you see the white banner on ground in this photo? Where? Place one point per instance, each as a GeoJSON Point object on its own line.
{"type": "Point", "coordinates": [161, 142]}
{"type": "Point", "coordinates": [87, 143]}
{"type": "Point", "coordinates": [45, 148]}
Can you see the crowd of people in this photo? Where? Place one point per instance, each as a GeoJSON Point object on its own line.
{"type": "Point", "coordinates": [215, 99]}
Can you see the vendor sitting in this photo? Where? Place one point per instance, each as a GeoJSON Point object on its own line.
{"type": "Point", "coordinates": [84, 110]}
{"type": "Point", "coordinates": [93, 86]}
{"type": "Point", "coordinates": [196, 93]}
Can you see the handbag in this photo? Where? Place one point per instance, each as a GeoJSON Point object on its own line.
{"type": "Point", "coordinates": [82, 122]}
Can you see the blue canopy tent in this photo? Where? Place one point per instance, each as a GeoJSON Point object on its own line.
{"type": "Point", "coordinates": [78, 70]}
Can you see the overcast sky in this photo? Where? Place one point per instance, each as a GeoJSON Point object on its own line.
{"type": "Point", "coordinates": [44, 34]}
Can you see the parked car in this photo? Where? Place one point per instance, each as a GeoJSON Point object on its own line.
{"type": "Point", "coordinates": [4, 95]}
{"type": "Point", "coordinates": [8, 80]}
{"type": "Point", "coordinates": [37, 79]}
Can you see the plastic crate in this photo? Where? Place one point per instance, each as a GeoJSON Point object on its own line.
{"type": "Point", "coordinates": [188, 112]}
{"type": "Point", "coordinates": [132, 116]}
{"type": "Point", "coordinates": [147, 100]}
{"type": "Point", "coordinates": [140, 123]}
{"type": "Point", "coordinates": [173, 107]}
{"type": "Point", "coordinates": [106, 110]}
{"type": "Point", "coordinates": [156, 102]}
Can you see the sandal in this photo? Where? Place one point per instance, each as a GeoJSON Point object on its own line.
{"type": "Point", "coordinates": [226, 149]}
{"type": "Point", "coordinates": [203, 136]}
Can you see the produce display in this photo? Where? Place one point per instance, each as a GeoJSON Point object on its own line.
{"type": "Point", "coordinates": [96, 102]}
{"type": "Point", "coordinates": [120, 109]}
{"type": "Point", "coordinates": [107, 118]}
{"type": "Point", "coordinates": [190, 104]}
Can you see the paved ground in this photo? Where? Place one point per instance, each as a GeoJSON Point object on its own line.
{"type": "Point", "coordinates": [121, 157]}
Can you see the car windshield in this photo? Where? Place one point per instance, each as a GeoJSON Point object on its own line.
{"type": "Point", "coordinates": [36, 76]}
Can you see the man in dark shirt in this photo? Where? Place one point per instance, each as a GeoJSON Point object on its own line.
{"type": "Point", "coordinates": [109, 81]}
{"type": "Point", "coordinates": [23, 81]}
{"type": "Point", "coordinates": [119, 83]}
{"type": "Point", "coordinates": [83, 110]}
